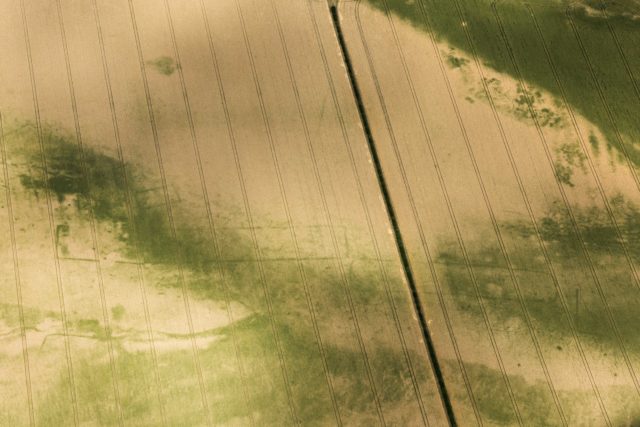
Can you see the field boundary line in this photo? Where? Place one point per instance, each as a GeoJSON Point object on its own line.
{"type": "Point", "coordinates": [386, 195]}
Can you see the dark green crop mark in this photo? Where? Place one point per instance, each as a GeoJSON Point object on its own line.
{"type": "Point", "coordinates": [148, 229]}
{"type": "Point", "coordinates": [105, 191]}
{"type": "Point", "coordinates": [568, 158]}
{"type": "Point", "coordinates": [546, 116]}
{"type": "Point", "coordinates": [587, 310]}
{"type": "Point", "coordinates": [539, 410]}
{"type": "Point", "coordinates": [118, 312]}
{"type": "Point", "coordinates": [164, 65]}
{"type": "Point", "coordinates": [597, 230]}
{"type": "Point", "coordinates": [455, 61]}
{"type": "Point", "coordinates": [568, 59]}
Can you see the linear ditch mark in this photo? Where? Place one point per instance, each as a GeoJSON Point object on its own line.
{"type": "Point", "coordinates": [404, 258]}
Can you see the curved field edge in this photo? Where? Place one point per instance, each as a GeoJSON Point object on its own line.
{"type": "Point", "coordinates": [616, 117]}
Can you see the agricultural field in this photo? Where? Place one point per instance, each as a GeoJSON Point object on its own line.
{"type": "Point", "coordinates": [508, 135]}
{"type": "Point", "coordinates": [192, 230]}
{"type": "Point", "coordinates": [312, 212]}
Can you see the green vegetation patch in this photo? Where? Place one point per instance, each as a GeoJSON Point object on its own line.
{"type": "Point", "coordinates": [598, 232]}
{"type": "Point", "coordinates": [583, 296]}
{"type": "Point", "coordinates": [114, 192]}
{"type": "Point", "coordinates": [232, 398]}
{"type": "Point", "coordinates": [165, 65]}
{"type": "Point", "coordinates": [10, 314]}
{"type": "Point", "coordinates": [117, 193]}
{"type": "Point", "coordinates": [526, 44]}
{"type": "Point", "coordinates": [495, 406]}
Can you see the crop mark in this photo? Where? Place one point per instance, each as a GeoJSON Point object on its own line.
{"type": "Point", "coordinates": [291, 229]}
{"type": "Point", "coordinates": [535, 225]}
{"type": "Point", "coordinates": [344, 279]}
{"type": "Point", "coordinates": [318, 181]}
{"type": "Point", "coordinates": [567, 205]}
{"type": "Point", "coordinates": [486, 199]}
{"type": "Point", "coordinates": [609, 114]}
{"type": "Point", "coordinates": [601, 95]}
{"type": "Point", "coordinates": [629, 165]}
{"type": "Point", "coordinates": [165, 65]}
{"type": "Point", "coordinates": [575, 124]}
{"type": "Point", "coordinates": [487, 203]}
{"type": "Point", "coordinates": [392, 215]}
{"type": "Point", "coordinates": [301, 271]}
